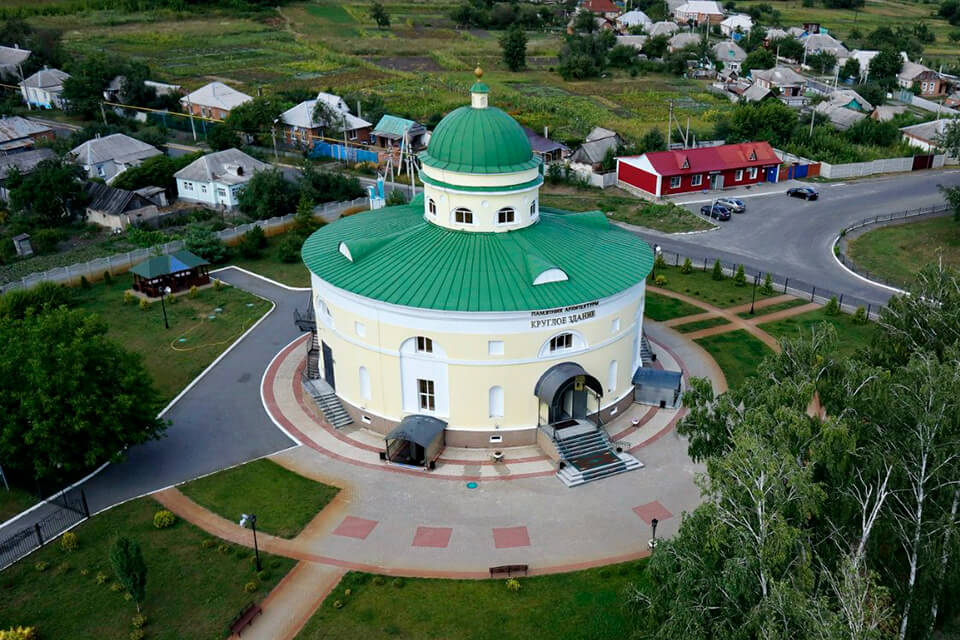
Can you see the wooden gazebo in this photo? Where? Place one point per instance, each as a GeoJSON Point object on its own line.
{"type": "Point", "coordinates": [179, 271]}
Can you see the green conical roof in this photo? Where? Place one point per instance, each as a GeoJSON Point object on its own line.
{"type": "Point", "coordinates": [471, 140]}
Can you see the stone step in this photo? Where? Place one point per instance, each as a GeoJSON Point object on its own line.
{"type": "Point", "coordinates": [332, 410]}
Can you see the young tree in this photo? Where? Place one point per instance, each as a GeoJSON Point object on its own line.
{"type": "Point", "coordinates": [514, 46]}
{"type": "Point", "coordinates": [822, 62]}
{"type": "Point", "coordinates": [758, 59]}
{"type": "Point", "coordinates": [885, 66]}
{"type": "Point", "coordinates": [850, 70]}
{"type": "Point", "coordinates": [256, 117]}
{"type": "Point", "coordinates": [787, 48]}
{"type": "Point", "coordinates": [304, 223]}
{"type": "Point", "coordinates": [155, 172]}
{"type": "Point", "coordinates": [127, 561]}
{"type": "Point", "coordinates": [656, 46]}
{"type": "Point", "coordinates": [204, 243]}
{"type": "Point", "coordinates": [83, 90]}
{"type": "Point", "coordinates": [380, 15]}
{"type": "Point", "coordinates": [62, 375]}
{"type": "Point", "coordinates": [49, 194]}
{"type": "Point", "coordinates": [584, 22]}
{"type": "Point", "coordinates": [268, 194]}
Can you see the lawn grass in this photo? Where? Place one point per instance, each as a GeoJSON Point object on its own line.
{"type": "Point", "coordinates": [269, 265]}
{"type": "Point", "coordinates": [14, 501]}
{"type": "Point", "coordinates": [701, 285]}
{"type": "Point", "coordinates": [171, 363]}
{"type": "Point", "coordinates": [191, 592]}
{"type": "Point", "coordinates": [773, 308]}
{"type": "Point", "coordinates": [709, 323]}
{"type": "Point", "coordinates": [738, 353]}
{"type": "Point", "coordinates": [283, 501]}
{"type": "Point", "coordinates": [624, 207]}
{"type": "Point", "coordinates": [659, 307]}
{"type": "Point", "coordinates": [852, 336]}
{"type": "Point", "coordinates": [585, 605]}
{"type": "Point", "coordinates": [898, 252]}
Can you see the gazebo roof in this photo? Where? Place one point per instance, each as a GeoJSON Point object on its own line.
{"type": "Point", "coordinates": [163, 265]}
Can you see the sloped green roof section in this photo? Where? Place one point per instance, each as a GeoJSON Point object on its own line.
{"type": "Point", "coordinates": [431, 267]}
{"type": "Point", "coordinates": [393, 125]}
{"type": "Point", "coordinates": [486, 140]}
{"type": "Point", "coordinates": [169, 263]}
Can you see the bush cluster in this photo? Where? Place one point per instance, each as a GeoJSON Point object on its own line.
{"type": "Point", "coordinates": [69, 541]}
{"type": "Point", "coordinates": [163, 519]}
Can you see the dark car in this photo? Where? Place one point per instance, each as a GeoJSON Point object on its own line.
{"type": "Point", "coordinates": [715, 211]}
{"type": "Point", "coordinates": [733, 204]}
{"type": "Point", "coordinates": [807, 193]}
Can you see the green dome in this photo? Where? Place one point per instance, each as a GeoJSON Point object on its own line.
{"type": "Point", "coordinates": [471, 140]}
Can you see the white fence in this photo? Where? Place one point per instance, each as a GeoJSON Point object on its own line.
{"type": "Point", "coordinates": [887, 165]}
{"type": "Point", "coordinates": [123, 262]}
{"type": "Point", "coordinates": [927, 105]}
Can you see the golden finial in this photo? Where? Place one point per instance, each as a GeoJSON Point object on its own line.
{"type": "Point", "coordinates": [478, 71]}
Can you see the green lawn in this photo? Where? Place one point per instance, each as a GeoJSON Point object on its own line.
{"type": "Point", "coordinates": [773, 308]}
{"type": "Point", "coordinates": [172, 363]}
{"type": "Point", "coordinates": [852, 336]}
{"type": "Point", "coordinates": [897, 253]}
{"type": "Point", "coordinates": [14, 501]}
{"type": "Point", "coordinates": [191, 592]}
{"type": "Point", "coordinates": [283, 501]}
{"type": "Point", "coordinates": [624, 207]}
{"type": "Point", "coordinates": [709, 323]}
{"type": "Point", "coordinates": [738, 353]}
{"type": "Point", "coordinates": [585, 605]}
{"type": "Point", "coordinates": [659, 307]}
{"type": "Point", "coordinates": [700, 284]}
{"type": "Point", "coordinates": [269, 265]}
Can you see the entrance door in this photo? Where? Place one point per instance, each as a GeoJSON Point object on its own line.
{"type": "Point", "coordinates": [569, 403]}
{"type": "Point", "coordinates": [328, 365]}
{"type": "Point", "coordinates": [716, 181]}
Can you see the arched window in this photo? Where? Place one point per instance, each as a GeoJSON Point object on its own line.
{"type": "Point", "coordinates": [463, 216]}
{"type": "Point", "coordinates": [561, 342]}
{"type": "Point", "coordinates": [612, 376]}
{"type": "Point", "coordinates": [364, 383]}
{"type": "Point", "coordinates": [533, 209]}
{"type": "Point", "coordinates": [496, 402]}
{"type": "Point", "coordinates": [432, 207]}
{"type": "Point", "coordinates": [506, 216]}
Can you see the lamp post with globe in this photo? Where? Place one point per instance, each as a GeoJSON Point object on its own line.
{"type": "Point", "coordinates": [164, 292]}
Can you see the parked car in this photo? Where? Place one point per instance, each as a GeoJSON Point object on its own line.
{"type": "Point", "coordinates": [715, 211]}
{"type": "Point", "coordinates": [733, 204]}
{"type": "Point", "coordinates": [807, 193]}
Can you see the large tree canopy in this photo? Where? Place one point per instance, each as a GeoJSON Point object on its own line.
{"type": "Point", "coordinates": [70, 398]}
{"type": "Point", "coordinates": [48, 195]}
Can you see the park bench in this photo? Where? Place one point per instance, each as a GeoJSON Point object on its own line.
{"type": "Point", "coordinates": [508, 570]}
{"type": "Point", "coordinates": [245, 618]}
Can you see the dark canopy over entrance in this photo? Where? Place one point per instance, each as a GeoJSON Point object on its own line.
{"type": "Point", "coordinates": [563, 388]}
{"type": "Point", "coordinates": [417, 440]}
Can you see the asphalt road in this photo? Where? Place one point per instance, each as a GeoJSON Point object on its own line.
{"type": "Point", "coordinates": [218, 423]}
{"type": "Point", "coordinates": [794, 238]}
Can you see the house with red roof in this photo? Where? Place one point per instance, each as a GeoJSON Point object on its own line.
{"type": "Point", "coordinates": [666, 173]}
{"type": "Point", "coordinates": [604, 8]}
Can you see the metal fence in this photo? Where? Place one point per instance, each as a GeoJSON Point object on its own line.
{"type": "Point", "coordinates": [840, 245]}
{"type": "Point", "coordinates": [123, 262]}
{"type": "Point", "coordinates": [66, 510]}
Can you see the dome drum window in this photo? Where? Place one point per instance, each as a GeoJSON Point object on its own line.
{"type": "Point", "coordinates": [432, 207]}
{"type": "Point", "coordinates": [562, 342]}
{"type": "Point", "coordinates": [506, 216]}
{"type": "Point", "coordinates": [463, 216]}
{"type": "Point", "coordinates": [424, 345]}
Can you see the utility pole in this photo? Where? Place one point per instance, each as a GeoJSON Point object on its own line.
{"type": "Point", "coordinates": [669, 124]}
{"type": "Point", "coordinates": [273, 134]}
{"type": "Point", "coordinates": [193, 128]}
{"type": "Point", "coordinates": [103, 113]}
{"type": "Point", "coordinates": [813, 112]}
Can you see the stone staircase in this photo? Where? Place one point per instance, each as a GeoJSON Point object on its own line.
{"type": "Point", "coordinates": [313, 358]}
{"type": "Point", "coordinates": [328, 402]}
{"type": "Point", "coordinates": [646, 353]}
{"type": "Point", "coordinates": [588, 455]}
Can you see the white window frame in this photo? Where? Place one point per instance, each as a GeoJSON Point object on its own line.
{"type": "Point", "coordinates": [426, 394]}
{"type": "Point", "coordinates": [534, 211]}
{"type": "Point", "coordinates": [752, 173]}
{"type": "Point", "coordinates": [615, 326]}
{"type": "Point", "coordinates": [495, 397]}
{"type": "Point", "coordinates": [221, 192]}
{"type": "Point", "coordinates": [507, 212]}
{"type": "Point", "coordinates": [203, 188]}
{"type": "Point", "coordinates": [738, 175]}
{"type": "Point", "coordinates": [432, 207]}
{"type": "Point", "coordinates": [364, 380]}
{"type": "Point", "coordinates": [612, 374]}
{"type": "Point", "coordinates": [696, 180]}
{"type": "Point", "coordinates": [561, 342]}
{"type": "Point", "coordinates": [424, 344]}
{"type": "Point", "coordinates": [465, 214]}
{"type": "Point", "coordinates": [675, 182]}
{"type": "Point", "coordinates": [352, 134]}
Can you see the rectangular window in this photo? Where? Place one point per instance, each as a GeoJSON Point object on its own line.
{"type": "Point", "coordinates": [675, 182]}
{"type": "Point", "coordinates": [360, 328]}
{"type": "Point", "coordinates": [463, 216]}
{"type": "Point", "coordinates": [188, 186]}
{"type": "Point", "coordinates": [426, 395]}
{"type": "Point", "coordinates": [561, 342]}
{"type": "Point", "coordinates": [615, 326]}
{"type": "Point", "coordinates": [353, 134]}
{"type": "Point", "coordinates": [752, 173]}
{"type": "Point", "coordinates": [495, 347]}
{"type": "Point", "coordinates": [203, 188]}
{"type": "Point", "coordinates": [432, 207]}
{"type": "Point", "coordinates": [424, 345]}
{"type": "Point", "coordinates": [505, 216]}
{"type": "Point", "coordinates": [738, 176]}
{"type": "Point", "coordinates": [696, 181]}
{"type": "Point", "coordinates": [533, 209]}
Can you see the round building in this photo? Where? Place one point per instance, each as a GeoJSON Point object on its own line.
{"type": "Point", "coordinates": [473, 310]}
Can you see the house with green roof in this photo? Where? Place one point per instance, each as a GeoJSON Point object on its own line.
{"type": "Point", "coordinates": [390, 132]}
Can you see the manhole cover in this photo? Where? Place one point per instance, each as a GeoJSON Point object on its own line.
{"type": "Point", "coordinates": [471, 485]}
{"type": "Point", "coordinates": [182, 340]}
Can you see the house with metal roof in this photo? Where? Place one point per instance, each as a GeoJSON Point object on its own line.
{"type": "Point", "coordinates": [11, 61]}
{"type": "Point", "coordinates": [217, 179]}
{"type": "Point", "coordinates": [591, 153]}
{"type": "Point", "coordinates": [786, 83]}
{"type": "Point", "coordinates": [20, 134]}
{"type": "Point", "coordinates": [632, 19]}
{"type": "Point", "coordinates": [736, 26]}
{"type": "Point", "coordinates": [698, 12]}
{"type": "Point", "coordinates": [662, 28]}
{"type": "Point", "coordinates": [302, 125]}
{"type": "Point", "coordinates": [603, 8]}
{"type": "Point", "coordinates": [548, 150]}
{"type": "Point", "coordinates": [117, 209]}
{"type": "Point", "coordinates": [682, 40]}
{"type": "Point", "coordinates": [730, 54]}
{"type": "Point", "coordinates": [841, 117]}
{"type": "Point", "coordinates": [108, 156]}
{"type": "Point", "coordinates": [926, 135]}
{"type": "Point", "coordinates": [392, 131]}
{"type": "Point", "coordinates": [824, 43]}
{"type": "Point", "coordinates": [213, 100]}
{"type": "Point", "coordinates": [23, 162]}
{"type": "Point", "coordinates": [666, 173]}
{"type": "Point", "coordinates": [477, 313]}
{"type": "Point", "coordinates": [43, 88]}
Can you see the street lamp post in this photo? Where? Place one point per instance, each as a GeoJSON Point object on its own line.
{"type": "Point", "coordinates": [754, 299]}
{"type": "Point", "coordinates": [653, 537]}
{"type": "Point", "coordinates": [252, 519]}
{"type": "Point", "coordinates": [656, 255]}
{"type": "Point", "coordinates": [163, 293]}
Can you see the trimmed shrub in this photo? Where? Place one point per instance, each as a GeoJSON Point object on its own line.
{"type": "Point", "coordinates": [128, 297]}
{"type": "Point", "coordinates": [41, 566]}
{"type": "Point", "coordinates": [604, 573]}
{"type": "Point", "coordinates": [19, 633]}
{"type": "Point", "coordinates": [137, 634]}
{"type": "Point", "coordinates": [659, 262]}
{"type": "Point", "coordinates": [193, 291]}
{"type": "Point", "coordinates": [163, 519]}
{"type": "Point", "coordinates": [860, 316]}
{"type": "Point", "coordinates": [832, 308]}
{"type": "Point", "coordinates": [379, 581]}
{"type": "Point", "coordinates": [687, 266]}
{"type": "Point", "coordinates": [337, 604]}
{"type": "Point", "coordinates": [289, 248]}
{"type": "Point", "coordinates": [252, 242]}
{"type": "Point", "coordinates": [144, 305]}
{"type": "Point", "coordinates": [767, 287]}
{"type": "Point", "coordinates": [208, 543]}
{"type": "Point", "coordinates": [223, 548]}
{"type": "Point", "coordinates": [263, 576]}
{"type": "Point", "coordinates": [251, 586]}
{"type": "Point", "coordinates": [116, 587]}
{"type": "Point", "coordinates": [217, 284]}
{"type": "Point", "coordinates": [397, 583]}
{"type": "Point", "coordinates": [101, 577]}
{"type": "Point", "coordinates": [139, 621]}
{"type": "Point", "coordinates": [84, 572]}
{"type": "Point", "coordinates": [513, 585]}
{"type": "Point", "coordinates": [717, 271]}
{"type": "Point", "coordinates": [740, 278]}
{"type": "Point", "coordinates": [64, 567]}
{"type": "Point", "coordinates": [69, 541]}
{"type": "Point", "coordinates": [660, 281]}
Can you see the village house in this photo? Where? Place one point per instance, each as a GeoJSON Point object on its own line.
{"type": "Point", "coordinates": [841, 118]}
{"type": "Point", "coordinates": [885, 113]}
{"type": "Point", "coordinates": [909, 72]}
{"type": "Point", "coordinates": [108, 156]}
{"type": "Point", "coordinates": [11, 59]}
{"type": "Point", "coordinates": [391, 131]}
{"type": "Point", "coordinates": [302, 128]}
{"type": "Point", "coordinates": [698, 12]}
{"type": "Point", "coordinates": [217, 179]}
{"type": "Point", "coordinates": [680, 40]}
{"type": "Point", "coordinates": [602, 8]}
{"type": "Point", "coordinates": [632, 41]}
{"type": "Point", "coordinates": [772, 34]}
{"type": "Point", "coordinates": [43, 89]}
{"type": "Point", "coordinates": [20, 134]}
{"type": "Point", "coordinates": [824, 43]}
{"type": "Point", "coordinates": [632, 19]}
{"type": "Point", "coordinates": [736, 26]}
{"type": "Point", "coordinates": [664, 173]}
{"type": "Point", "coordinates": [117, 209]}
{"type": "Point", "coordinates": [926, 135]}
{"type": "Point", "coordinates": [214, 100]}
{"type": "Point", "coordinates": [784, 81]}
{"type": "Point", "coordinates": [730, 54]}
{"type": "Point", "coordinates": [589, 156]}
{"type": "Point", "coordinates": [662, 29]}
{"type": "Point", "coordinates": [931, 84]}
{"type": "Point", "coordinates": [549, 150]}
{"type": "Point", "coordinates": [24, 162]}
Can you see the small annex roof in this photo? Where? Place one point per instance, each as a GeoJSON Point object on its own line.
{"type": "Point", "coordinates": [46, 79]}
{"type": "Point", "coordinates": [427, 266]}
{"type": "Point", "coordinates": [216, 94]}
{"type": "Point", "coordinates": [755, 93]}
{"type": "Point", "coordinates": [395, 127]}
{"type": "Point", "coordinates": [169, 263]}
{"type": "Point", "coordinates": [658, 378]}
{"type": "Point", "coordinates": [886, 112]}
{"type": "Point", "coordinates": [418, 428]}
{"type": "Point", "coordinates": [113, 201]}
{"type": "Point", "coordinates": [704, 159]}
{"type": "Point", "coordinates": [539, 144]}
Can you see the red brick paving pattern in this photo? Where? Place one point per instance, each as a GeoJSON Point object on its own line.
{"type": "Point", "coordinates": [509, 537]}
{"type": "Point", "coordinates": [651, 510]}
{"type": "Point", "coordinates": [353, 527]}
{"type": "Point", "coordinates": [437, 537]}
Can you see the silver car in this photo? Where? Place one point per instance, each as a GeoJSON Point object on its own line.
{"type": "Point", "coordinates": [733, 204]}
